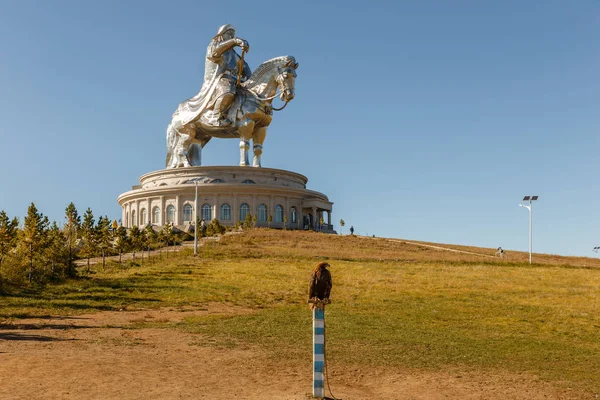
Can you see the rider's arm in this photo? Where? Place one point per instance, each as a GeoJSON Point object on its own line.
{"type": "Point", "coordinates": [217, 50]}
{"type": "Point", "coordinates": [246, 73]}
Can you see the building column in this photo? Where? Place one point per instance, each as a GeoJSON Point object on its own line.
{"type": "Point", "coordinates": [137, 213]}
{"type": "Point", "coordinates": [329, 218]}
{"type": "Point", "coordinates": [270, 210]}
{"type": "Point", "coordinates": [163, 212]}
{"type": "Point", "coordinates": [148, 211]}
{"type": "Point", "coordinates": [286, 212]}
{"type": "Point", "coordinates": [314, 218]}
{"type": "Point", "coordinates": [178, 215]}
{"type": "Point", "coordinates": [216, 207]}
{"type": "Point", "coordinates": [235, 212]}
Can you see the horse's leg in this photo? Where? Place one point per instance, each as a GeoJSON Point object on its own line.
{"type": "Point", "coordinates": [195, 150]}
{"type": "Point", "coordinates": [258, 138]}
{"type": "Point", "coordinates": [245, 129]}
{"type": "Point", "coordinates": [194, 153]}
{"type": "Point", "coordinates": [177, 143]}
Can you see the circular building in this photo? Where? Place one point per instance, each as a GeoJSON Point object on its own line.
{"type": "Point", "coordinates": [228, 194]}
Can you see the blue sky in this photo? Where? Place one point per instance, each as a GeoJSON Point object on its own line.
{"type": "Point", "coordinates": [424, 120]}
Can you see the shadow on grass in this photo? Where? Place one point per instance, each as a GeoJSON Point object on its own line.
{"type": "Point", "coordinates": [25, 327]}
{"type": "Point", "coordinates": [33, 338]}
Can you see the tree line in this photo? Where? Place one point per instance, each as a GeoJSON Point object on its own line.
{"type": "Point", "coordinates": [39, 251]}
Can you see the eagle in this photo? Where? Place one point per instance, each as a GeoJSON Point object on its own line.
{"type": "Point", "coordinates": [320, 282]}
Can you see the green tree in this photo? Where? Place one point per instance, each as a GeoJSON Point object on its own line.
{"type": "Point", "coordinates": [285, 222]}
{"type": "Point", "coordinates": [89, 236]}
{"type": "Point", "coordinates": [8, 234]}
{"type": "Point", "coordinates": [321, 223]}
{"type": "Point", "coordinates": [248, 221]}
{"type": "Point", "coordinates": [71, 230]}
{"type": "Point", "coordinates": [151, 238]}
{"type": "Point", "coordinates": [137, 239]}
{"type": "Point", "coordinates": [215, 228]}
{"type": "Point", "coordinates": [254, 220]}
{"type": "Point", "coordinates": [33, 237]}
{"type": "Point", "coordinates": [104, 237]}
{"type": "Point", "coordinates": [269, 220]}
{"type": "Point", "coordinates": [122, 241]}
{"type": "Point", "coordinates": [8, 238]}
{"type": "Point", "coordinates": [56, 253]}
{"type": "Point", "coordinates": [342, 223]}
{"type": "Point", "coordinates": [167, 234]}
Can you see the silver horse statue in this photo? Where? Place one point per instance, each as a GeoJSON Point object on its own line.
{"type": "Point", "coordinates": [251, 113]}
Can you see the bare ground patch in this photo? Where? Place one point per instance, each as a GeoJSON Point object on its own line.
{"type": "Point", "coordinates": [100, 356]}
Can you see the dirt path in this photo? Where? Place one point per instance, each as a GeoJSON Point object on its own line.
{"type": "Point", "coordinates": [100, 356]}
{"type": "Point", "coordinates": [440, 248]}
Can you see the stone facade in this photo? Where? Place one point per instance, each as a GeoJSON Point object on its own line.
{"type": "Point", "coordinates": [227, 194]}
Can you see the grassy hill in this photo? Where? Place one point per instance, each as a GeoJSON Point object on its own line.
{"type": "Point", "coordinates": [395, 303]}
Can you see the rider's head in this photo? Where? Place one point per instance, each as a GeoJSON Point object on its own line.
{"type": "Point", "coordinates": [225, 32]}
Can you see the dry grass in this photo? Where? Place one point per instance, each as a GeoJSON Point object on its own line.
{"type": "Point", "coordinates": [394, 304]}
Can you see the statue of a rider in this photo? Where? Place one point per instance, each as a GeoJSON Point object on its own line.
{"type": "Point", "coordinates": [220, 82]}
{"type": "Point", "coordinates": [222, 69]}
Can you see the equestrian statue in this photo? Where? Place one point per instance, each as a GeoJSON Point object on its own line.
{"type": "Point", "coordinates": [232, 103]}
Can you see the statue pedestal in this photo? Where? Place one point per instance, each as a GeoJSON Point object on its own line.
{"type": "Point", "coordinates": [227, 194]}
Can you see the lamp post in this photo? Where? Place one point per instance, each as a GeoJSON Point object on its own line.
{"type": "Point", "coordinates": [597, 250]}
{"type": "Point", "coordinates": [195, 181]}
{"type": "Point", "coordinates": [530, 199]}
{"type": "Point", "coordinates": [196, 219]}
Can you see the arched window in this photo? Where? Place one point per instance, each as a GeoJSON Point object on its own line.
{"type": "Point", "coordinates": [171, 213]}
{"type": "Point", "coordinates": [144, 216]}
{"type": "Point", "coordinates": [278, 213]}
{"type": "Point", "coordinates": [262, 213]}
{"type": "Point", "coordinates": [217, 181]}
{"type": "Point", "coordinates": [249, 181]}
{"type": "Point", "coordinates": [155, 215]}
{"type": "Point", "coordinates": [187, 213]}
{"type": "Point", "coordinates": [206, 212]}
{"type": "Point", "coordinates": [244, 210]}
{"type": "Point", "coordinates": [133, 221]}
{"type": "Point", "coordinates": [294, 215]}
{"type": "Point", "coordinates": [225, 212]}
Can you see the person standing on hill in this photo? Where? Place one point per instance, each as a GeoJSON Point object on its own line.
{"type": "Point", "coordinates": [352, 230]}
{"type": "Point", "coordinates": [320, 284]}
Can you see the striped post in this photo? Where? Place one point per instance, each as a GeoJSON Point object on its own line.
{"type": "Point", "coordinates": [318, 352]}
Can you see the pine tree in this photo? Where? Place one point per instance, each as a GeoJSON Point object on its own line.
{"type": "Point", "coordinates": [136, 240]}
{"type": "Point", "coordinates": [8, 238]}
{"type": "Point", "coordinates": [33, 237]}
{"type": "Point", "coordinates": [122, 241]}
{"type": "Point", "coordinates": [269, 220]}
{"type": "Point", "coordinates": [56, 253]}
{"type": "Point", "coordinates": [104, 237]}
{"type": "Point", "coordinates": [285, 222]}
{"type": "Point", "coordinates": [248, 221]}
{"type": "Point", "coordinates": [88, 234]}
{"type": "Point", "coordinates": [8, 234]}
{"type": "Point", "coordinates": [342, 223]}
{"type": "Point", "coordinates": [167, 234]}
{"type": "Point", "coordinates": [151, 238]}
{"type": "Point", "coordinates": [71, 230]}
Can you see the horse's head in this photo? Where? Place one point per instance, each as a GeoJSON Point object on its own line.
{"type": "Point", "coordinates": [286, 79]}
